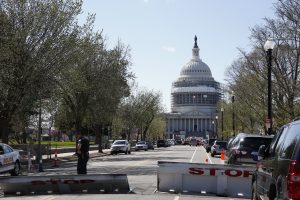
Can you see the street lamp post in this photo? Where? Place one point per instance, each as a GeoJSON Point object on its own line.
{"type": "Point", "coordinates": [40, 155]}
{"type": "Point", "coordinates": [213, 128]}
{"type": "Point", "coordinates": [269, 46]}
{"type": "Point", "coordinates": [217, 126]}
{"type": "Point", "coordinates": [204, 96]}
{"type": "Point", "coordinates": [233, 115]}
{"type": "Point", "coordinates": [222, 122]}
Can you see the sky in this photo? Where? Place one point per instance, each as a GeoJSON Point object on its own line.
{"type": "Point", "coordinates": [160, 34]}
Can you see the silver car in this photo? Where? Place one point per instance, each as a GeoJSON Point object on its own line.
{"type": "Point", "coordinates": [120, 146]}
{"type": "Point", "coordinates": [141, 145]}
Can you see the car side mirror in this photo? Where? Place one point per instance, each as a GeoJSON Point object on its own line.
{"type": "Point", "coordinates": [261, 152]}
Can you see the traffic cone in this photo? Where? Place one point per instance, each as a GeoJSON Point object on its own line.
{"type": "Point", "coordinates": [206, 160]}
{"type": "Point", "coordinates": [223, 156]}
{"type": "Point", "coordinates": [55, 159]}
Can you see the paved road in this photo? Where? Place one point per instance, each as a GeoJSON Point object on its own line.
{"type": "Point", "coordinates": [141, 169]}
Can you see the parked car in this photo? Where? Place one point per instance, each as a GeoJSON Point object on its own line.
{"type": "Point", "coordinates": [9, 160]}
{"type": "Point", "coordinates": [150, 145]}
{"type": "Point", "coordinates": [161, 143]}
{"type": "Point", "coordinates": [120, 146]}
{"type": "Point", "coordinates": [141, 145]}
{"type": "Point", "coordinates": [217, 147]}
{"type": "Point", "coordinates": [278, 173]}
{"type": "Point", "coordinates": [209, 144]}
{"type": "Point", "coordinates": [243, 149]}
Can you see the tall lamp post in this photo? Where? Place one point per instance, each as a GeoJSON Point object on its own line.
{"type": "Point", "coordinates": [217, 126]}
{"type": "Point", "coordinates": [269, 46]}
{"type": "Point", "coordinates": [213, 128]}
{"type": "Point", "coordinates": [233, 115]}
{"type": "Point", "coordinates": [222, 122]}
{"type": "Point", "coordinates": [40, 155]}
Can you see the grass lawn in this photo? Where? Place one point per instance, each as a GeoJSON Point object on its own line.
{"type": "Point", "coordinates": [61, 144]}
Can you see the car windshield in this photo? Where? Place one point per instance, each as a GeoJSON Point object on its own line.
{"type": "Point", "coordinates": [222, 144]}
{"type": "Point", "coordinates": [255, 142]}
{"type": "Point", "coordinates": [211, 141]}
{"type": "Point", "coordinates": [119, 142]}
{"type": "Point", "coordinates": [141, 143]}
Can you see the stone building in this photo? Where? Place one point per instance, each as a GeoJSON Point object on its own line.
{"type": "Point", "coordinates": [194, 98]}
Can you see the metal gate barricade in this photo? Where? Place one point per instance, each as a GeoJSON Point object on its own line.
{"type": "Point", "coordinates": [64, 184]}
{"type": "Point", "coordinates": [222, 180]}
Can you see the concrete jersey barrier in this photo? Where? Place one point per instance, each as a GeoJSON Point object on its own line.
{"type": "Point", "coordinates": [64, 184]}
{"type": "Point", "coordinates": [222, 180]}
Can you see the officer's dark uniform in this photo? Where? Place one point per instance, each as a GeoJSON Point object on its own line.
{"type": "Point", "coordinates": [83, 154]}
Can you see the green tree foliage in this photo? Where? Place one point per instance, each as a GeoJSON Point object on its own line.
{"type": "Point", "coordinates": [140, 114]}
{"type": "Point", "coordinates": [34, 46]}
{"type": "Point", "coordinates": [247, 76]}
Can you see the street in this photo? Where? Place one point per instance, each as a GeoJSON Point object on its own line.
{"type": "Point", "coordinates": [141, 169]}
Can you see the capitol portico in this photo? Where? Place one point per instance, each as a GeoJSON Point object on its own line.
{"type": "Point", "coordinates": [194, 98]}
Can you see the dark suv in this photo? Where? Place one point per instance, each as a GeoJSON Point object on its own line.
{"type": "Point", "coordinates": [161, 143]}
{"type": "Point", "coordinates": [209, 144]}
{"type": "Point", "coordinates": [278, 173]}
{"type": "Point", "coordinates": [244, 148]}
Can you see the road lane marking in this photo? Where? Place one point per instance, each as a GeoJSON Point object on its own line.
{"type": "Point", "coordinates": [176, 198]}
{"type": "Point", "coordinates": [193, 155]}
{"type": "Point", "coordinates": [133, 165]}
{"type": "Point", "coordinates": [208, 158]}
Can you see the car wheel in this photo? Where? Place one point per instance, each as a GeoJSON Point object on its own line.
{"type": "Point", "coordinates": [17, 169]}
{"type": "Point", "coordinates": [254, 191]}
{"type": "Point", "coordinates": [126, 152]}
{"type": "Point", "coordinates": [129, 152]}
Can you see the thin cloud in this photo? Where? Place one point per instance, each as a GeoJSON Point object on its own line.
{"type": "Point", "coordinates": [169, 49]}
{"type": "Point", "coordinates": [146, 1]}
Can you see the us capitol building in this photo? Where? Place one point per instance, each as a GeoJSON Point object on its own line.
{"type": "Point", "coordinates": [194, 98]}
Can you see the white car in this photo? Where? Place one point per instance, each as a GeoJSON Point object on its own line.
{"type": "Point", "coordinates": [9, 160]}
{"type": "Point", "coordinates": [141, 145]}
{"type": "Point", "coordinates": [120, 146]}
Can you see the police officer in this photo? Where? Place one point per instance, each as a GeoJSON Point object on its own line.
{"type": "Point", "coordinates": [82, 152]}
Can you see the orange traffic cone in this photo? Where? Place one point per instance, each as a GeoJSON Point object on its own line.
{"type": "Point", "coordinates": [222, 155]}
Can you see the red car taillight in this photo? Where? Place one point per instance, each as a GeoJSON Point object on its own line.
{"type": "Point", "coordinates": [294, 180]}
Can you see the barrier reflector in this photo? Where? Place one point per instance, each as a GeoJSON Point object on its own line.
{"type": "Point", "coordinates": [64, 184]}
{"type": "Point", "coordinates": [222, 180]}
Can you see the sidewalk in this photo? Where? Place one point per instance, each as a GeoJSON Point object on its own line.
{"type": "Point", "coordinates": [70, 156]}
{"type": "Point", "coordinates": [61, 158]}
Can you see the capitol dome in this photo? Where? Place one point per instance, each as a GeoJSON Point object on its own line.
{"type": "Point", "coordinates": [194, 98]}
{"type": "Point", "coordinates": [195, 69]}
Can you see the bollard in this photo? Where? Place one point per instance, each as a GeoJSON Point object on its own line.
{"type": "Point", "coordinates": [55, 159]}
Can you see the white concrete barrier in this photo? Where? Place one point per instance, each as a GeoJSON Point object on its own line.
{"type": "Point", "coordinates": [222, 180]}
{"type": "Point", "coordinates": [64, 184]}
